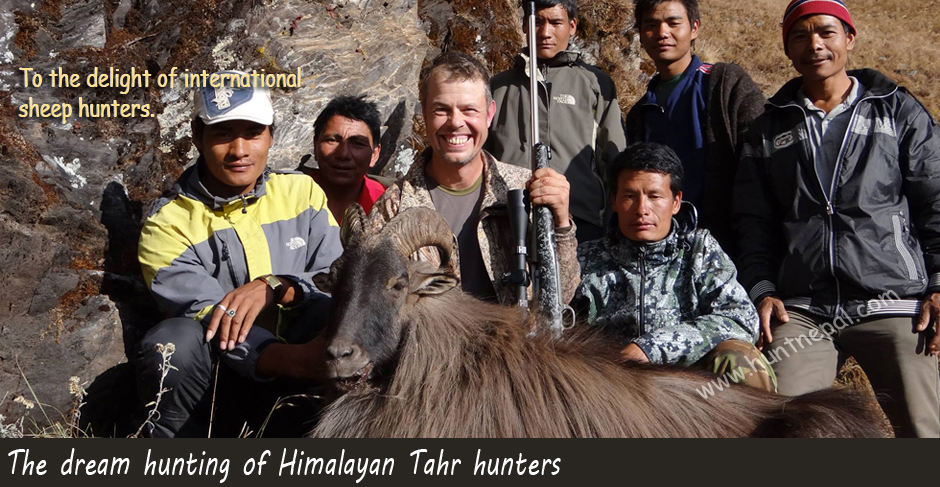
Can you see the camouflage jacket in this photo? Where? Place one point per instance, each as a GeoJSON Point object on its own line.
{"type": "Point", "coordinates": [492, 230]}
{"type": "Point", "coordinates": [676, 299]}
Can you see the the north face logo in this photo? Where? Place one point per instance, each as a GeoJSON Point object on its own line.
{"type": "Point", "coordinates": [564, 99]}
{"type": "Point", "coordinates": [783, 140]}
{"type": "Point", "coordinates": [296, 243]}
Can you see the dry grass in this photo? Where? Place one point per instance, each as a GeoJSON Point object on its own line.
{"type": "Point", "coordinates": [64, 425]}
{"type": "Point", "coordinates": [897, 37]}
{"type": "Point", "coordinates": [853, 376]}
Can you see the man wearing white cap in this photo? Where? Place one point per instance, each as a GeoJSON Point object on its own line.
{"type": "Point", "coordinates": [230, 254]}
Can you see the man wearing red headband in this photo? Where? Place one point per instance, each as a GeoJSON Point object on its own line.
{"type": "Point", "coordinates": [837, 211]}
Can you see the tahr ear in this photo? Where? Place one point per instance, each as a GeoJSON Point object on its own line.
{"type": "Point", "coordinates": [324, 282]}
{"type": "Point", "coordinates": [433, 284]}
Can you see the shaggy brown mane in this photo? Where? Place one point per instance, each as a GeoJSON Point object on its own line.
{"type": "Point", "coordinates": [468, 369]}
{"type": "Point", "coordinates": [449, 365]}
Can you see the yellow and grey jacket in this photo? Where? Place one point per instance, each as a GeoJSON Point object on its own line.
{"type": "Point", "coordinates": [195, 247]}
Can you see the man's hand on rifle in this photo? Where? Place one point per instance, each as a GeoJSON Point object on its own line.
{"type": "Point", "coordinates": [550, 188]}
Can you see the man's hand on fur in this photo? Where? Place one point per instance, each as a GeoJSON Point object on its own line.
{"type": "Point", "coordinates": [634, 353]}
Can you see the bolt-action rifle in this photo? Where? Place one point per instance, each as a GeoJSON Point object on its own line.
{"type": "Point", "coordinates": [545, 274]}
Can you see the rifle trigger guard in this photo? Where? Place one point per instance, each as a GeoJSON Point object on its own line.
{"type": "Point", "coordinates": [567, 317]}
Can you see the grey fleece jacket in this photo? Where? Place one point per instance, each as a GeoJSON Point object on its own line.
{"type": "Point", "coordinates": [579, 119]}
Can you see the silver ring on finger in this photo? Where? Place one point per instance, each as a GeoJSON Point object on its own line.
{"type": "Point", "coordinates": [230, 313]}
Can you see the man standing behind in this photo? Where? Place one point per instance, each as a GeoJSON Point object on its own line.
{"type": "Point", "coordinates": [346, 145]}
{"type": "Point", "coordinates": [579, 117]}
{"type": "Point", "coordinates": [469, 187]}
{"type": "Point", "coordinates": [837, 207]}
{"type": "Point", "coordinates": [699, 110]}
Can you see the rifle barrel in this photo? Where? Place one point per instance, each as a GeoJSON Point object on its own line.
{"type": "Point", "coordinates": [533, 88]}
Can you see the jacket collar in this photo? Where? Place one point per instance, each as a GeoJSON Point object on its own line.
{"type": "Point", "coordinates": [568, 57]}
{"type": "Point", "coordinates": [660, 252]}
{"type": "Point", "coordinates": [875, 83]}
{"type": "Point", "coordinates": [191, 186]}
{"type": "Point", "coordinates": [493, 180]}
{"type": "Point", "coordinates": [653, 253]}
{"type": "Point", "coordinates": [655, 80]}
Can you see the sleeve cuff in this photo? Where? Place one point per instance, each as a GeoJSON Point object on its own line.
{"type": "Point", "coordinates": [243, 359]}
{"type": "Point", "coordinates": [565, 230]}
{"type": "Point", "coordinates": [933, 285]}
{"type": "Point", "coordinates": [308, 290]}
{"type": "Point", "coordinates": [762, 289]}
{"type": "Point", "coordinates": [652, 352]}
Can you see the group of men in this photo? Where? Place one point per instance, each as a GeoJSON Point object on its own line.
{"type": "Point", "coordinates": [806, 225]}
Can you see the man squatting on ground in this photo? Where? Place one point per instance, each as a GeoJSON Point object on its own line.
{"type": "Point", "coordinates": [837, 205]}
{"type": "Point", "coordinates": [230, 255]}
{"type": "Point", "coordinates": [346, 145]}
{"type": "Point", "coordinates": [662, 287]}
{"type": "Point", "coordinates": [699, 110]}
{"type": "Point", "coordinates": [579, 117]}
{"type": "Point", "coordinates": [469, 187]}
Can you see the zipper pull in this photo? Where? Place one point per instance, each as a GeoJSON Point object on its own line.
{"type": "Point", "coordinates": [244, 205]}
{"type": "Point", "coordinates": [225, 254]}
{"type": "Point", "coordinates": [829, 208]}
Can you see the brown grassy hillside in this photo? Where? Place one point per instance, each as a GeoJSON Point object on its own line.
{"type": "Point", "coordinates": [898, 37]}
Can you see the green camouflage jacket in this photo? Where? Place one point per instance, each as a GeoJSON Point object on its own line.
{"type": "Point", "coordinates": [676, 299]}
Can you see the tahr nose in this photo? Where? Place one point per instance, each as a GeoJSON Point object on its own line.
{"type": "Point", "coordinates": [343, 351]}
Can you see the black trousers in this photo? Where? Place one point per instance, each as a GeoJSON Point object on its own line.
{"type": "Point", "coordinates": [241, 398]}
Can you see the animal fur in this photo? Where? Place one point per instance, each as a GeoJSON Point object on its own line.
{"type": "Point", "coordinates": [465, 368]}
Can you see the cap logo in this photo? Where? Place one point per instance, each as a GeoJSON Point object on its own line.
{"type": "Point", "coordinates": [224, 99]}
{"type": "Point", "coordinates": [229, 95]}
{"type": "Point", "coordinates": [222, 95]}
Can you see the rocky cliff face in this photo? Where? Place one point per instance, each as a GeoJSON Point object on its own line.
{"type": "Point", "coordinates": [72, 195]}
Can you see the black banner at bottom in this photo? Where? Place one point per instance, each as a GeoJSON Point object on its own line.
{"type": "Point", "coordinates": [434, 461]}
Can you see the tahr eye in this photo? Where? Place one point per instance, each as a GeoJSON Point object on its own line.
{"type": "Point", "coordinates": [397, 283]}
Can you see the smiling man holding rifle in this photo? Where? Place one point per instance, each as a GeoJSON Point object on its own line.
{"type": "Point", "coordinates": [470, 188]}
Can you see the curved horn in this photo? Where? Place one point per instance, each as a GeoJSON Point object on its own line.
{"type": "Point", "coordinates": [422, 227]}
{"type": "Point", "coordinates": [353, 225]}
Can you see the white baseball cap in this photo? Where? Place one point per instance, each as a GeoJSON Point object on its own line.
{"type": "Point", "coordinates": [227, 102]}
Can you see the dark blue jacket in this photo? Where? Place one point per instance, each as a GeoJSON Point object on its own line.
{"type": "Point", "coordinates": [679, 123]}
{"type": "Point", "coordinates": [733, 101]}
{"type": "Point", "coordinates": [874, 234]}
